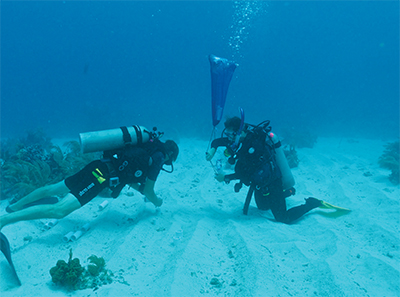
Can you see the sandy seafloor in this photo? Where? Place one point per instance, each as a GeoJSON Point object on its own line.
{"type": "Point", "coordinates": [356, 254]}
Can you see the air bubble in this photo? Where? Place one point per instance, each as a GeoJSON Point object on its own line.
{"type": "Point", "coordinates": [244, 15]}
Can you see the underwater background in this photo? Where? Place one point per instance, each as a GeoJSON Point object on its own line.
{"type": "Point", "coordinates": [327, 67]}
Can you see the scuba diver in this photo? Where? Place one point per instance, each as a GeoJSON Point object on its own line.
{"type": "Point", "coordinates": [260, 163]}
{"type": "Point", "coordinates": [137, 165]}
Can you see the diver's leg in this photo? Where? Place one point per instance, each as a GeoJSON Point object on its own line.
{"type": "Point", "coordinates": [46, 211]}
{"type": "Point", "coordinates": [262, 199]}
{"type": "Point", "coordinates": [281, 214]}
{"type": "Point", "coordinates": [278, 207]}
{"type": "Point", "coordinates": [46, 191]}
{"type": "Point", "coordinates": [298, 211]}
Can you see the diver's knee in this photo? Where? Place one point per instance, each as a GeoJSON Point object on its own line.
{"type": "Point", "coordinates": [46, 190]}
{"type": "Point", "coordinates": [59, 211]}
{"type": "Point", "coordinates": [282, 219]}
{"type": "Point", "coordinates": [57, 189]}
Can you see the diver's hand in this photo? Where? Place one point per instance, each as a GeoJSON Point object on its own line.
{"type": "Point", "coordinates": [220, 177]}
{"type": "Point", "coordinates": [210, 154]}
{"type": "Point", "coordinates": [158, 202]}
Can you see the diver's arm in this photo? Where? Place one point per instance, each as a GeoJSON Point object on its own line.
{"type": "Point", "coordinates": [215, 144]}
{"type": "Point", "coordinates": [148, 191]}
{"type": "Point", "coordinates": [226, 178]}
{"type": "Point", "coordinates": [223, 141]}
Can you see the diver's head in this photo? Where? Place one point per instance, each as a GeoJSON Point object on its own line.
{"type": "Point", "coordinates": [233, 124]}
{"type": "Point", "coordinates": [171, 150]}
{"type": "Point", "coordinates": [232, 127]}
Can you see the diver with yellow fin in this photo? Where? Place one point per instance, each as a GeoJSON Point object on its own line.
{"type": "Point", "coordinates": [260, 164]}
{"type": "Point", "coordinates": [256, 152]}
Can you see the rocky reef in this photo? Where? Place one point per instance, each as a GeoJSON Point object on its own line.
{"type": "Point", "coordinates": [390, 160]}
{"type": "Point", "coordinates": [34, 161]}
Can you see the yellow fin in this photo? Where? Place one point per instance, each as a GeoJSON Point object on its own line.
{"type": "Point", "coordinates": [326, 205]}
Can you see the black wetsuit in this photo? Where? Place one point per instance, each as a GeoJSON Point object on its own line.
{"type": "Point", "coordinates": [95, 177]}
{"type": "Point", "coordinates": [271, 195]}
{"type": "Point", "coordinates": [274, 197]}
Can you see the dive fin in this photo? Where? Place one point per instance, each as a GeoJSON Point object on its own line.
{"type": "Point", "coordinates": [5, 248]}
{"type": "Point", "coordinates": [326, 205]}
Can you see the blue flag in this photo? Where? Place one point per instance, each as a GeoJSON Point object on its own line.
{"type": "Point", "coordinates": [221, 75]}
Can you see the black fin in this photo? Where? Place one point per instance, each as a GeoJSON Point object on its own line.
{"type": "Point", "coordinates": [5, 248]}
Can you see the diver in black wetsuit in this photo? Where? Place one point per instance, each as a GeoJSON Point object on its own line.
{"type": "Point", "coordinates": [137, 166]}
{"type": "Point", "coordinates": [264, 176]}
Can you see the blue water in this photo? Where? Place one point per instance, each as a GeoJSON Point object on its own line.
{"type": "Point", "coordinates": [330, 67]}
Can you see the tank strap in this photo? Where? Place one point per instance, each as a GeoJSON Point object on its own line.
{"type": "Point", "coordinates": [125, 135]}
{"type": "Point", "coordinates": [138, 134]}
{"type": "Point", "coordinates": [278, 144]}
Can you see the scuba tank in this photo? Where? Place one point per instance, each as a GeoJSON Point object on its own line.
{"type": "Point", "coordinates": [113, 139]}
{"type": "Point", "coordinates": [287, 177]}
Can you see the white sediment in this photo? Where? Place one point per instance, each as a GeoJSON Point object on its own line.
{"type": "Point", "coordinates": [222, 252]}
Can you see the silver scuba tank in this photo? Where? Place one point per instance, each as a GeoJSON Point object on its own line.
{"type": "Point", "coordinates": [113, 139]}
{"type": "Point", "coordinates": [287, 176]}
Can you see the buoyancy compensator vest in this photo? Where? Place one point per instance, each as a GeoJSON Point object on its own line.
{"type": "Point", "coordinates": [130, 164]}
{"type": "Point", "coordinates": [255, 158]}
{"type": "Point", "coordinates": [128, 161]}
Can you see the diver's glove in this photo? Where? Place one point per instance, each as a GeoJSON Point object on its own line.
{"type": "Point", "coordinates": [220, 177]}
{"type": "Point", "coordinates": [158, 203]}
{"type": "Point", "coordinates": [210, 154]}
